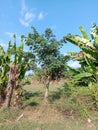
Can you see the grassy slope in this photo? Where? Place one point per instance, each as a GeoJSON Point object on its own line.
{"type": "Point", "coordinates": [40, 116]}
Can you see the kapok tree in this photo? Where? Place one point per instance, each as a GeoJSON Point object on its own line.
{"type": "Point", "coordinates": [47, 51]}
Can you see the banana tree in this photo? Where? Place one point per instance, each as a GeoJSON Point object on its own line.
{"type": "Point", "coordinates": [89, 54]}
{"type": "Point", "coordinates": [14, 63]}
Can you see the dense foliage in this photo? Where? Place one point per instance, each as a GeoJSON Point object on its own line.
{"type": "Point", "coordinates": [88, 57]}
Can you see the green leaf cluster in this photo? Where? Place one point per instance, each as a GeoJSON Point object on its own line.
{"type": "Point", "coordinates": [47, 52]}
{"type": "Point", "coordinates": [88, 57]}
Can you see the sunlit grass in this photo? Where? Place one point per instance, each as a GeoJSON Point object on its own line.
{"type": "Point", "coordinates": [59, 114]}
{"type": "Point", "coordinates": [69, 124]}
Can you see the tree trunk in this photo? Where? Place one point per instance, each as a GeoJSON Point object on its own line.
{"type": "Point", "coordinates": [12, 83]}
{"type": "Point", "coordinates": [47, 83]}
{"type": "Point", "coordinates": [2, 97]}
{"type": "Point", "coordinates": [9, 94]}
{"type": "Point", "coordinates": [46, 92]}
{"type": "Point", "coordinates": [17, 100]}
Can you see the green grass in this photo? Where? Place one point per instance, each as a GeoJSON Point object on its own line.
{"type": "Point", "coordinates": [29, 125]}
{"type": "Point", "coordinates": [8, 115]}
{"type": "Point", "coordinates": [56, 115]}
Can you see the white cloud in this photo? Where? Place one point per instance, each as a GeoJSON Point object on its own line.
{"type": "Point", "coordinates": [41, 15]}
{"type": "Point", "coordinates": [23, 5]}
{"type": "Point", "coordinates": [24, 23]}
{"type": "Point", "coordinates": [74, 64]}
{"type": "Point", "coordinates": [27, 16]}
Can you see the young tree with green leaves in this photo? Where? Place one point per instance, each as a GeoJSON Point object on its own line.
{"type": "Point", "coordinates": [47, 51]}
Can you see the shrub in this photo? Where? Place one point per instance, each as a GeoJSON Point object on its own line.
{"type": "Point", "coordinates": [82, 99]}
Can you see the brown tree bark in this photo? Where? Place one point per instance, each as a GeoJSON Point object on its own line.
{"type": "Point", "coordinates": [17, 100]}
{"type": "Point", "coordinates": [9, 94]}
{"type": "Point", "coordinates": [2, 97]}
{"type": "Point", "coordinates": [47, 91]}
{"type": "Point", "coordinates": [12, 83]}
{"type": "Point", "coordinates": [47, 83]}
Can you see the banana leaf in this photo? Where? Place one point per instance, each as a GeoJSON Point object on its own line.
{"type": "Point", "coordinates": [84, 33]}
{"type": "Point", "coordinates": [82, 75]}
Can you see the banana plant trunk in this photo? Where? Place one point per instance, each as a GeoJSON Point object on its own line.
{"type": "Point", "coordinates": [12, 83]}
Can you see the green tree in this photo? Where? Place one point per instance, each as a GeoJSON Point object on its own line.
{"type": "Point", "coordinates": [47, 51]}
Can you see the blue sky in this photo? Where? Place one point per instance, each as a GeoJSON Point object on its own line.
{"type": "Point", "coordinates": [62, 16]}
